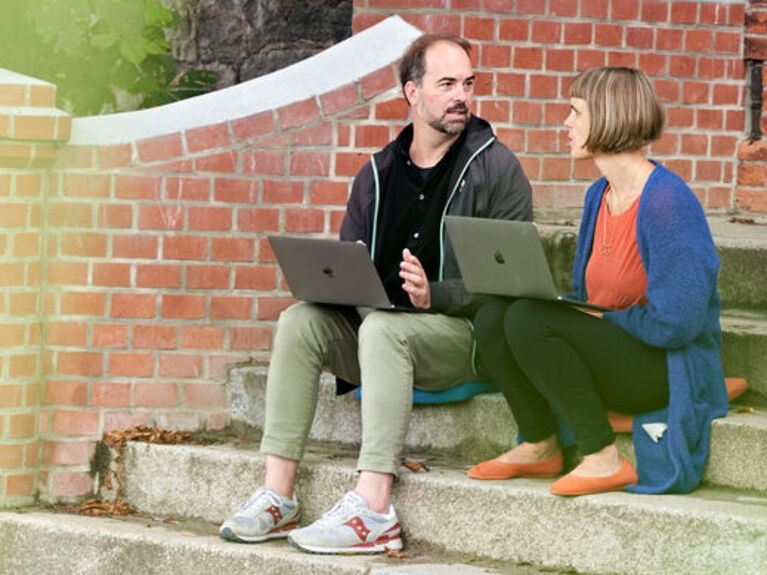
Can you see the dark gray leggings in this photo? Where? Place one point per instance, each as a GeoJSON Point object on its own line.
{"type": "Point", "coordinates": [544, 355]}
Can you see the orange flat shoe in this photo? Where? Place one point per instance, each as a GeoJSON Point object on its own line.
{"type": "Point", "coordinates": [579, 485]}
{"type": "Point", "coordinates": [495, 469]}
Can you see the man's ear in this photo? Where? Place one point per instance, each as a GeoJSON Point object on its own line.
{"type": "Point", "coordinates": [410, 89]}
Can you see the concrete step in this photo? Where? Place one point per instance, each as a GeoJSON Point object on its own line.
{"type": "Point", "coordinates": [483, 426]}
{"type": "Point", "coordinates": [37, 542]}
{"type": "Point", "coordinates": [744, 346]}
{"type": "Point", "coordinates": [742, 249]}
{"type": "Point", "coordinates": [709, 531]}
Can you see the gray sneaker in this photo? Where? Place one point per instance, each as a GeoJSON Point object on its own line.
{"type": "Point", "coordinates": [266, 515]}
{"type": "Point", "coordinates": [350, 527]}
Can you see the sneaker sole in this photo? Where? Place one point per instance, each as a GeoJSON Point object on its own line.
{"type": "Point", "coordinates": [378, 546]}
{"type": "Point", "coordinates": [228, 534]}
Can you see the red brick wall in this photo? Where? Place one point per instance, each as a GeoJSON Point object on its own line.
{"type": "Point", "coordinates": [527, 51]}
{"type": "Point", "coordinates": [29, 130]}
{"type": "Point", "coordinates": [752, 169]}
{"type": "Point", "coordinates": [160, 275]}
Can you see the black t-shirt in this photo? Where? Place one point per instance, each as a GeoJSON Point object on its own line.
{"type": "Point", "coordinates": [410, 214]}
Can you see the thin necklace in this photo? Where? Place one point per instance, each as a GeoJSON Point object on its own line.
{"type": "Point", "coordinates": [606, 247]}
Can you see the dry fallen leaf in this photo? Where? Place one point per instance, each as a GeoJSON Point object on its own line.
{"type": "Point", "coordinates": [749, 221]}
{"type": "Point", "coordinates": [98, 507]}
{"type": "Point", "coordinates": [396, 553]}
{"type": "Point", "coordinates": [114, 477]}
{"type": "Point", "coordinates": [415, 466]}
{"type": "Point", "coordinates": [117, 439]}
{"type": "Point", "coordinates": [745, 410]}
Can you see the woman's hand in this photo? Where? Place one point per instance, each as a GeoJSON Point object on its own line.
{"type": "Point", "coordinates": [594, 312]}
{"type": "Point", "coordinates": [416, 283]}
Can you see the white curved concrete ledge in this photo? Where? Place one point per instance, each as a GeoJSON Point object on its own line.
{"type": "Point", "coordinates": [8, 77]}
{"type": "Point", "coordinates": [339, 65]}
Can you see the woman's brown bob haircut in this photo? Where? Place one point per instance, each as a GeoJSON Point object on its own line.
{"type": "Point", "coordinates": [413, 65]}
{"type": "Point", "coordinates": [626, 113]}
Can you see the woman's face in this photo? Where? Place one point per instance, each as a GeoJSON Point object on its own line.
{"type": "Point", "coordinates": [578, 125]}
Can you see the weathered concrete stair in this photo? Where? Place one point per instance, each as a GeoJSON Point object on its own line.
{"type": "Point", "coordinates": [43, 542]}
{"type": "Point", "coordinates": [482, 427]}
{"type": "Point", "coordinates": [744, 346]}
{"type": "Point", "coordinates": [720, 528]}
{"type": "Point", "coordinates": [709, 531]}
{"type": "Point", "coordinates": [87, 545]}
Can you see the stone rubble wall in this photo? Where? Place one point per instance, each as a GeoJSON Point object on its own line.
{"type": "Point", "coordinates": [245, 39]}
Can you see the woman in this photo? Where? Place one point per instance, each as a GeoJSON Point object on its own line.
{"type": "Point", "coordinates": [645, 251]}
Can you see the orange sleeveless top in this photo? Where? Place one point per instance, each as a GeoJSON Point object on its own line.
{"type": "Point", "coordinates": [615, 276]}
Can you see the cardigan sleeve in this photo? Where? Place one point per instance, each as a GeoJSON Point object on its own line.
{"type": "Point", "coordinates": [681, 263]}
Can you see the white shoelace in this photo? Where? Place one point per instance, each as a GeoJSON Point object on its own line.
{"type": "Point", "coordinates": [345, 507]}
{"type": "Point", "coordinates": [258, 496]}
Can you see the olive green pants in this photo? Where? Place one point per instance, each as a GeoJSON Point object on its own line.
{"type": "Point", "coordinates": [386, 352]}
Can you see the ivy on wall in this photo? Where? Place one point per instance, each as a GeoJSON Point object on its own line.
{"type": "Point", "coordinates": [100, 53]}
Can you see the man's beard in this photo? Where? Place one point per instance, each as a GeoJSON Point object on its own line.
{"type": "Point", "coordinates": [453, 127]}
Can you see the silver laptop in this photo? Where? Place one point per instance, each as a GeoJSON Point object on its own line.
{"type": "Point", "coordinates": [331, 272]}
{"type": "Point", "coordinates": [503, 257]}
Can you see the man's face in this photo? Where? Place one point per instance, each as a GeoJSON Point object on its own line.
{"type": "Point", "coordinates": [443, 100]}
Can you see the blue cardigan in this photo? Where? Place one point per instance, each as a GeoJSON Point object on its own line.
{"type": "Point", "coordinates": [681, 316]}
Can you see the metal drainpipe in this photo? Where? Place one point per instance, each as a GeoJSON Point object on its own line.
{"type": "Point", "coordinates": [755, 97]}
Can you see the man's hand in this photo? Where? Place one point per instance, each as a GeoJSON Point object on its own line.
{"type": "Point", "coordinates": [416, 283]}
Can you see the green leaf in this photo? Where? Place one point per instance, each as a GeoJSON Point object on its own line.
{"type": "Point", "coordinates": [134, 50]}
{"type": "Point", "coordinates": [146, 85]}
{"type": "Point", "coordinates": [63, 22]}
{"type": "Point", "coordinates": [102, 41]}
{"type": "Point", "coordinates": [157, 15]}
{"type": "Point", "coordinates": [123, 18]}
{"type": "Point", "coordinates": [153, 33]}
{"type": "Point", "coordinates": [126, 76]}
{"type": "Point", "coordinates": [157, 46]}
{"type": "Point", "coordinates": [204, 79]}
{"type": "Point", "coordinates": [92, 48]}
{"type": "Point", "coordinates": [194, 83]}
{"type": "Point", "coordinates": [157, 99]}
{"type": "Point", "coordinates": [161, 68]}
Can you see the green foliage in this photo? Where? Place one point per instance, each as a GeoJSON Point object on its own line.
{"type": "Point", "coordinates": [91, 49]}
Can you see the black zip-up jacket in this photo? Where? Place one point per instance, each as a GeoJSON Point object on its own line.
{"type": "Point", "coordinates": [487, 182]}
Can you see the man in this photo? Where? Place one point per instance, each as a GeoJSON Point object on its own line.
{"type": "Point", "coordinates": [446, 162]}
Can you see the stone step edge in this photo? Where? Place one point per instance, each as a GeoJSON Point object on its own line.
{"type": "Point", "coordinates": [749, 321]}
{"type": "Point", "coordinates": [556, 224]}
{"type": "Point", "coordinates": [714, 529]}
{"type": "Point", "coordinates": [166, 546]}
{"type": "Point", "coordinates": [483, 426]}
